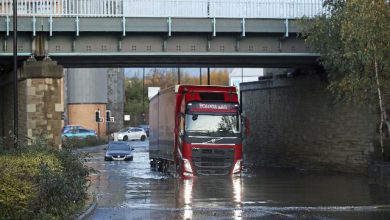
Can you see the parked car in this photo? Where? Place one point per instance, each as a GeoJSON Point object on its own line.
{"type": "Point", "coordinates": [146, 128]}
{"type": "Point", "coordinates": [71, 127]}
{"type": "Point", "coordinates": [79, 133]}
{"type": "Point", "coordinates": [130, 133]}
{"type": "Point", "coordinates": [119, 150]}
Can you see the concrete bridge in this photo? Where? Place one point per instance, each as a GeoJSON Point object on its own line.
{"type": "Point", "coordinates": [87, 33]}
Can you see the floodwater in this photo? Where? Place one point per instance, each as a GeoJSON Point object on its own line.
{"type": "Point", "coordinates": [131, 190]}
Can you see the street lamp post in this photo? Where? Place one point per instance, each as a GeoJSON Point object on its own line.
{"type": "Point", "coordinates": [200, 76]}
{"type": "Point", "coordinates": [208, 75]}
{"type": "Point", "coordinates": [143, 94]}
{"type": "Point", "coordinates": [15, 72]}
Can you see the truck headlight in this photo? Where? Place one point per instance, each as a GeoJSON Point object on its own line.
{"type": "Point", "coordinates": [237, 167]}
{"type": "Point", "coordinates": [187, 166]}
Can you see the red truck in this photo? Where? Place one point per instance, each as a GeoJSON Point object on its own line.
{"type": "Point", "coordinates": [196, 130]}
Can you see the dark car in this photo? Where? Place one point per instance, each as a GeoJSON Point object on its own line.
{"type": "Point", "coordinates": [119, 150]}
{"type": "Point", "coordinates": [146, 128]}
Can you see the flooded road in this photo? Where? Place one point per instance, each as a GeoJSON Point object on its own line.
{"type": "Point", "coordinates": [131, 190]}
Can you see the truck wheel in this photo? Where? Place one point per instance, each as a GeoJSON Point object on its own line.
{"type": "Point", "coordinates": [143, 138]}
{"type": "Point", "coordinates": [125, 138]}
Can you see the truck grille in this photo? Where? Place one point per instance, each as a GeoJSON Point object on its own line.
{"type": "Point", "coordinates": [217, 161]}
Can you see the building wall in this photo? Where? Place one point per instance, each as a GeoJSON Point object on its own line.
{"type": "Point", "coordinates": [86, 92]}
{"type": "Point", "coordinates": [87, 85]}
{"type": "Point", "coordinates": [84, 115]}
{"type": "Point", "coordinates": [116, 97]}
{"type": "Point", "coordinates": [102, 88]}
{"type": "Point", "coordinates": [294, 124]}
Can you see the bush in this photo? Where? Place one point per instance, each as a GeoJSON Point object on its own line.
{"type": "Point", "coordinates": [41, 182]}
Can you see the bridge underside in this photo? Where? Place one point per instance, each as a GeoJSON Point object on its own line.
{"type": "Point", "coordinates": [125, 42]}
{"type": "Point", "coordinates": [179, 60]}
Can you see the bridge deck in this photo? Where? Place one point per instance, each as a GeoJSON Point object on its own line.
{"type": "Point", "coordinates": [84, 33]}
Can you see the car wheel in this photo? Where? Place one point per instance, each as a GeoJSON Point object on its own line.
{"type": "Point", "coordinates": [125, 138]}
{"type": "Point", "coordinates": [131, 159]}
{"type": "Point", "coordinates": [143, 138]}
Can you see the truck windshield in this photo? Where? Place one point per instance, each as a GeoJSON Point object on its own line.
{"type": "Point", "coordinates": [212, 125]}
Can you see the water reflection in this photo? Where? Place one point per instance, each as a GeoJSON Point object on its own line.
{"type": "Point", "coordinates": [237, 193]}
{"type": "Point", "coordinates": [187, 194]}
{"type": "Point", "coordinates": [204, 193]}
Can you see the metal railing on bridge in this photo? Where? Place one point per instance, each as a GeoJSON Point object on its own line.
{"type": "Point", "coordinates": [165, 8]}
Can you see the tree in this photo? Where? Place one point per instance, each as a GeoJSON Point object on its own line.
{"type": "Point", "coordinates": [352, 37]}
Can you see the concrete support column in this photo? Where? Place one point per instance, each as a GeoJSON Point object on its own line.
{"type": "Point", "coordinates": [41, 100]}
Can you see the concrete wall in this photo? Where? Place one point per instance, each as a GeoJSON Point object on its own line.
{"type": "Point", "coordinates": [116, 97]}
{"type": "Point", "coordinates": [294, 124]}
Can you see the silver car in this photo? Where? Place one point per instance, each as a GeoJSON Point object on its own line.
{"type": "Point", "coordinates": [131, 133]}
{"type": "Point", "coordinates": [119, 150]}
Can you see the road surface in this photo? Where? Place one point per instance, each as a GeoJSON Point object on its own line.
{"type": "Point", "coordinates": [131, 190]}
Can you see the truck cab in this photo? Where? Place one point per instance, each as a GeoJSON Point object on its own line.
{"type": "Point", "coordinates": [196, 130]}
{"type": "Point", "coordinates": [210, 138]}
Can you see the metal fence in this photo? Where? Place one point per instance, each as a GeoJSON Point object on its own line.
{"type": "Point", "coordinates": [165, 8]}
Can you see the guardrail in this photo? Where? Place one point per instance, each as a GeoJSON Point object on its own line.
{"type": "Point", "coordinates": [164, 8]}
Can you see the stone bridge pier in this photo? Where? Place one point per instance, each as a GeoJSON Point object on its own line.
{"type": "Point", "coordinates": [40, 107]}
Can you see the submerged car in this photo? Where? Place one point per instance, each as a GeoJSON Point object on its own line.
{"type": "Point", "coordinates": [119, 150]}
{"type": "Point", "coordinates": [131, 133]}
{"type": "Point", "coordinates": [79, 133]}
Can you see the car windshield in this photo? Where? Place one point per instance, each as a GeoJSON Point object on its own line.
{"type": "Point", "coordinates": [72, 126]}
{"type": "Point", "coordinates": [124, 130]}
{"type": "Point", "coordinates": [118, 146]}
{"type": "Point", "coordinates": [212, 125]}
